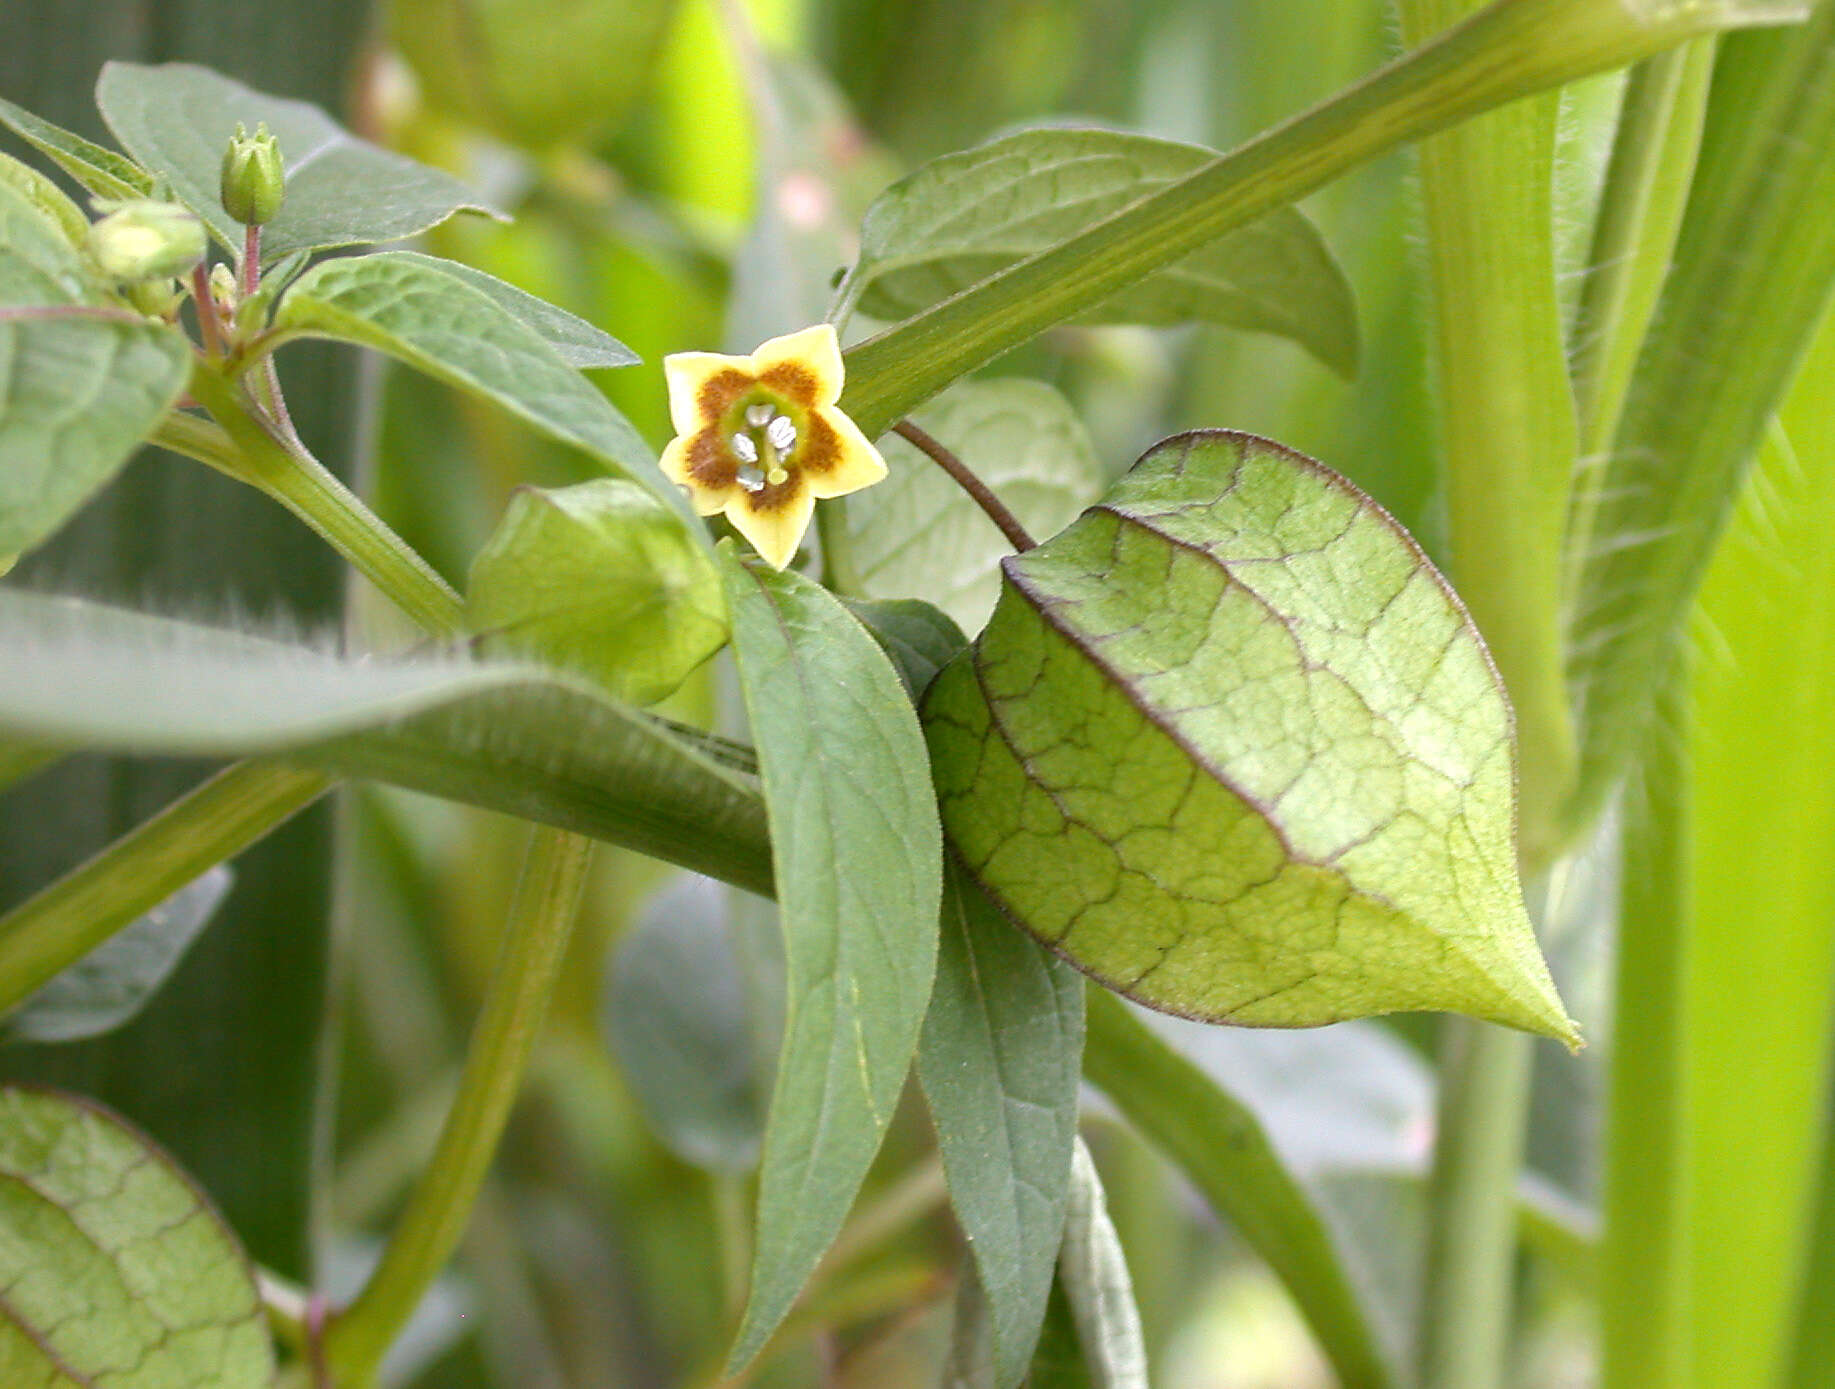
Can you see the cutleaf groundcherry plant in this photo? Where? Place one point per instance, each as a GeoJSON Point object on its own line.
{"type": "Point", "coordinates": [1228, 742]}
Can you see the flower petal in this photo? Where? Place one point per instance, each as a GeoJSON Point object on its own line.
{"type": "Point", "coordinates": [678, 465]}
{"type": "Point", "coordinates": [775, 532]}
{"type": "Point", "coordinates": [699, 388]}
{"type": "Point", "coordinates": [804, 367]}
{"type": "Point", "coordinates": [855, 462]}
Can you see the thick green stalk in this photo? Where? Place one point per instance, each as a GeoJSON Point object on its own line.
{"type": "Point", "coordinates": [247, 450]}
{"type": "Point", "coordinates": [1472, 1221]}
{"type": "Point", "coordinates": [1511, 49]}
{"type": "Point", "coordinates": [1506, 413]}
{"type": "Point", "coordinates": [57, 927]}
{"type": "Point", "coordinates": [534, 946]}
{"type": "Point", "coordinates": [1814, 1348]}
{"type": "Point", "coordinates": [1508, 438]}
{"type": "Point", "coordinates": [1644, 1300]}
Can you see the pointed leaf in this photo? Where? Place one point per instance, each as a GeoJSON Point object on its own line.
{"type": "Point", "coordinates": [511, 738]}
{"type": "Point", "coordinates": [46, 196]}
{"type": "Point", "coordinates": [964, 216]}
{"type": "Point", "coordinates": [1231, 746]}
{"type": "Point", "coordinates": [918, 532]}
{"type": "Point", "coordinates": [76, 397]}
{"type": "Point", "coordinates": [858, 863]}
{"type": "Point", "coordinates": [1001, 1063]}
{"type": "Point", "coordinates": [102, 171]}
{"type": "Point", "coordinates": [919, 639]}
{"type": "Point", "coordinates": [1094, 1275]}
{"type": "Point", "coordinates": [115, 1268]}
{"type": "Point", "coordinates": [108, 987]}
{"type": "Point", "coordinates": [177, 119]}
{"type": "Point", "coordinates": [601, 579]}
{"type": "Point", "coordinates": [39, 265]}
{"type": "Point", "coordinates": [412, 308]}
{"type": "Point", "coordinates": [573, 339]}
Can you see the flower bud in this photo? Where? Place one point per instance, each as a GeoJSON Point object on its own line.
{"type": "Point", "coordinates": [254, 178]}
{"type": "Point", "coordinates": [146, 240]}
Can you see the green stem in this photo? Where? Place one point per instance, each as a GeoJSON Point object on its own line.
{"type": "Point", "coordinates": [839, 572]}
{"type": "Point", "coordinates": [75, 914]}
{"type": "Point", "coordinates": [535, 944]}
{"type": "Point", "coordinates": [1506, 413]}
{"type": "Point", "coordinates": [1644, 1259]}
{"type": "Point", "coordinates": [1472, 1217]}
{"type": "Point", "coordinates": [249, 449]}
{"type": "Point", "coordinates": [1508, 50]}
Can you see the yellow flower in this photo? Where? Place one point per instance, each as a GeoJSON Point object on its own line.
{"type": "Point", "coordinates": [759, 437]}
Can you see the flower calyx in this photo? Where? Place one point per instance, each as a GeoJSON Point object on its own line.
{"type": "Point", "coordinates": [759, 437]}
{"type": "Point", "coordinates": [145, 239]}
{"type": "Point", "coordinates": [254, 180]}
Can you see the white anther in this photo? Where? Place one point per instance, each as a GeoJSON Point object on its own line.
{"type": "Point", "coordinates": [758, 414]}
{"type": "Point", "coordinates": [744, 449]}
{"type": "Point", "coordinates": [782, 434]}
{"type": "Point", "coordinates": [752, 479]}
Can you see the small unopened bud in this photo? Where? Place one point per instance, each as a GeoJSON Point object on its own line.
{"type": "Point", "coordinates": [146, 240]}
{"type": "Point", "coordinates": [223, 287]}
{"type": "Point", "coordinates": [254, 177]}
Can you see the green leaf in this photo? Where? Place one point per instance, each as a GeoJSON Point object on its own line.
{"type": "Point", "coordinates": [1001, 1061]}
{"type": "Point", "coordinates": [574, 340]}
{"type": "Point", "coordinates": [967, 215]}
{"type": "Point", "coordinates": [102, 171]}
{"type": "Point", "coordinates": [177, 118]}
{"type": "Point", "coordinates": [1753, 268]}
{"type": "Point", "coordinates": [1094, 1275]}
{"type": "Point", "coordinates": [919, 533]}
{"type": "Point", "coordinates": [418, 312]}
{"type": "Point", "coordinates": [77, 395]}
{"type": "Point", "coordinates": [1231, 746]}
{"type": "Point", "coordinates": [858, 863]}
{"type": "Point", "coordinates": [39, 265]}
{"type": "Point", "coordinates": [108, 987]}
{"type": "Point", "coordinates": [47, 197]}
{"type": "Point", "coordinates": [601, 579]}
{"type": "Point", "coordinates": [115, 1268]}
{"type": "Point", "coordinates": [919, 639]}
{"type": "Point", "coordinates": [680, 1019]}
{"type": "Point", "coordinates": [1222, 1149]}
{"type": "Point", "coordinates": [522, 741]}
{"type": "Point", "coordinates": [1059, 1362]}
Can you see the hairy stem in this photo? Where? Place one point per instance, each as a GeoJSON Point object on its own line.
{"type": "Point", "coordinates": [218, 820]}
{"type": "Point", "coordinates": [257, 453]}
